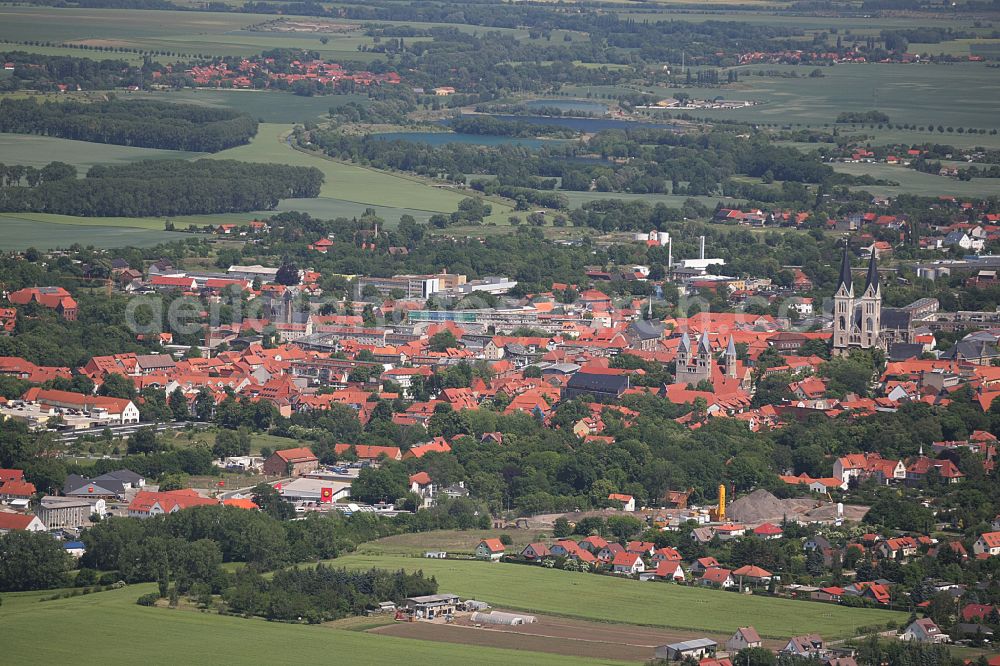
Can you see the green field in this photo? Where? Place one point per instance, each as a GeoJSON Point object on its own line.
{"type": "Point", "coordinates": [916, 182]}
{"type": "Point", "coordinates": [348, 182]}
{"type": "Point", "coordinates": [71, 52]}
{"type": "Point", "coordinates": [607, 598]}
{"type": "Point", "coordinates": [37, 151]}
{"type": "Point", "coordinates": [23, 230]}
{"type": "Point", "coordinates": [108, 627]}
{"type": "Point", "coordinates": [265, 105]}
{"type": "Point", "coordinates": [183, 33]}
{"type": "Point", "coordinates": [961, 95]}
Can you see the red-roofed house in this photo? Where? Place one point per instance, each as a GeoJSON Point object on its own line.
{"type": "Point", "coordinates": [10, 522]}
{"type": "Point", "coordinates": [147, 504]}
{"type": "Point", "coordinates": [628, 564]}
{"type": "Point", "coordinates": [627, 501]}
{"type": "Point", "coordinates": [53, 298]}
{"type": "Point", "coordinates": [745, 637]}
{"type": "Point", "coordinates": [118, 410]}
{"type": "Point", "coordinates": [535, 551]}
{"type": "Point", "coordinates": [437, 445]}
{"type": "Point", "coordinates": [988, 543]}
{"type": "Point", "coordinates": [14, 490]}
{"type": "Point", "coordinates": [291, 462]}
{"type": "Point", "coordinates": [366, 452]}
{"type": "Point", "coordinates": [977, 612]}
{"type": "Point", "coordinates": [490, 549]}
{"type": "Point", "coordinates": [717, 577]}
{"type": "Point", "coordinates": [753, 575]}
{"type": "Point", "coordinates": [670, 570]}
{"type": "Point", "coordinates": [767, 531]}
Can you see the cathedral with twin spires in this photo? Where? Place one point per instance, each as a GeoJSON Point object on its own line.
{"type": "Point", "coordinates": [857, 322]}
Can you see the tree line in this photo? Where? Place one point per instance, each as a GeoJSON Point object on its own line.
{"type": "Point", "coordinates": [142, 123]}
{"type": "Point", "coordinates": [322, 593]}
{"type": "Point", "coordinates": [166, 188]}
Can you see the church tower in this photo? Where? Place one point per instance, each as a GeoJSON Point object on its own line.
{"type": "Point", "coordinates": [843, 307]}
{"type": "Point", "coordinates": [730, 359]}
{"type": "Point", "coordinates": [871, 308]}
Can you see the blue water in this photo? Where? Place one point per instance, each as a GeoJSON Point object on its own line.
{"type": "Point", "coordinates": [442, 138]}
{"type": "Point", "coordinates": [577, 105]}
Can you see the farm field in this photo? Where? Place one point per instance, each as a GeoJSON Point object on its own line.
{"type": "Point", "coordinates": [175, 33]}
{"type": "Point", "coordinates": [37, 151]}
{"type": "Point", "coordinates": [576, 199]}
{"type": "Point", "coordinates": [553, 635]}
{"type": "Point", "coordinates": [347, 182]}
{"type": "Point", "coordinates": [654, 604]}
{"type": "Point", "coordinates": [451, 541]}
{"type": "Point", "coordinates": [264, 105]}
{"type": "Point", "coordinates": [19, 231]}
{"type": "Point", "coordinates": [71, 52]}
{"type": "Point", "coordinates": [93, 629]}
{"type": "Point", "coordinates": [960, 95]}
{"type": "Point", "coordinates": [916, 182]}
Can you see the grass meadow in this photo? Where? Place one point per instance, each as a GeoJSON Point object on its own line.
{"type": "Point", "coordinates": [37, 151]}
{"type": "Point", "coordinates": [607, 598]}
{"type": "Point", "coordinates": [108, 627]}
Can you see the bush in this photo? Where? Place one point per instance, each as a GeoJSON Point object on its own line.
{"type": "Point", "coordinates": [506, 540]}
{"type": "Point", "coordinates": [148, 599]}
{"type": "Point", "coordinates": [86, 577]}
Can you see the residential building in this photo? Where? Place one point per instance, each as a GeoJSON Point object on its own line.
{"type": "Point", "coordinates": [745, 637]}
{"type": "Point", "coordinates": [291, 462]}
{"type": "Point", "coordinates": [924, 630]}
{"type": "Point", "coordinates": [628, 564]}
{"type": "Point", "coordinates": [13, 522]}
{"type": "Point", "coordinates": [808, 645]}
{"type": "Point", "coordinates": [988, 543]}
{"type": "Point", "coordinates": [490, 549]}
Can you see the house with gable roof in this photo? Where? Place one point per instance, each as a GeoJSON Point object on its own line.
{"type": "Point", "coordinates": [291, 462]}
{"type": "Point", "coordinates": [491, 550]}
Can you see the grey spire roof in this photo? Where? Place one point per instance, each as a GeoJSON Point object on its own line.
{"type": "Point", "coordinates": [685, 342]}
{"type": "Point", "coordinates": [845, 271]}
{"type": "Point", "coordinates": [731, 347]}
{"type": "Point", "coordinates": [703, 344]}
{"type": "Point", "coordinates": [872, 280]}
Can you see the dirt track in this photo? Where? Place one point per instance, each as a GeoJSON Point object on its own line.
{"type": "Point", "coordinates": [551, 634]}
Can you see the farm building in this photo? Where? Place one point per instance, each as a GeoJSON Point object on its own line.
{"type": "Point", "coordinates": [696, 649]}
{"type": "Point", "coordinates": [431, 606]}
{"type": "Point", "coordinates": [499, 617]}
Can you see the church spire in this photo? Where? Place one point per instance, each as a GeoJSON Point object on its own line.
{"type": "Point", "coordinates": [872, 280]}
{"type": "Point", "coordinates": [845, 272]}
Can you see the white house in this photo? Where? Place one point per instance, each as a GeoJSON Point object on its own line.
{"type": "Point", "coordinates": [11, 522]}
{"type": "Point", "coordinates": [627, 501]}
{"type": "Point", "coordinates": [670, 570]}
{"type": "Point", "coordinates": [988, 543]}
{"type": "Point", "coordinates": [924, 631]}
{"type": "Point", "coordinates": [628, 564]}
{"type": "Point", "coordinates": [745, 637]}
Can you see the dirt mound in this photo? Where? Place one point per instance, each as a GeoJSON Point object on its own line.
{"type": "Point", "coordinates": [758, 507]}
